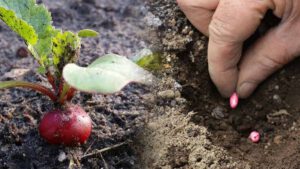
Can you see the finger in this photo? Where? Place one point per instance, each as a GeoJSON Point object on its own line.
{"type": "Point", "coordinates": [260, 61]}
{"type": "Point", "coordinates": [270, 53]}
{"type": "Point", "coordinates": [233, 22]}
{"type": "Point", "coordinates": [199, 12]}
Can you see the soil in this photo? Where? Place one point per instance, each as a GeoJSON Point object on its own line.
{"type": "Point", "coordinates": [115, 117]}
{"type": "Point", "coordinates": [204, 132]}
{"type": "Point", "coordinates": [180, 122]}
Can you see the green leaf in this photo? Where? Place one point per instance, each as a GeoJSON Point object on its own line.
{"type": "Point", "coordinates": [106, 75]}
{"type": "Point", "coordinates": [66, 47]}
{"type": "Point", "coordinates": [42, 70]}
{"type": "Point", "coordinates": [21, 27]}
{"type": "Point", "coordinates": [32, 22]}
{"type": "Point", "coordinates": [148, 59]}
{"type": "Point", "coordinates": [86, 33]}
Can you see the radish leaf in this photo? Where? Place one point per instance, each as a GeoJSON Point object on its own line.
{"type": "Point", "coordinates": [66, 46]}
{"type": "Point", "coordinates": [21, 27]}
{"type": "Point", "coordinates": [32, 22]}
{"type": "Point", "coordinates": [148, 60]}
{"type": "Point", "coordinates": [86, 33]}
{"type": "Point", "coordinates": [106, 75]}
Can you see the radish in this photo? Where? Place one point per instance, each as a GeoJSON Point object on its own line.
{"type": "Point", "coordinates": [69, 126]}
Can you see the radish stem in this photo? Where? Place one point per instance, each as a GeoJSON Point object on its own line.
{"type": "Point", "coordinates": [36, 87]}
{"type": "Point", "coordinates": [51, 80]}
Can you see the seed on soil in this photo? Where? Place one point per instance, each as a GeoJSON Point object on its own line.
{"type": "Point", "coordinates": [254, 136]}
{"type": "Point", "coordinates": [234, 100]}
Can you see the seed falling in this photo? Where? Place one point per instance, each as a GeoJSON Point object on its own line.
{"type": "Point", "coordinates": [234, 100]}
{"type": "Point", "coordinates": [254, 136]}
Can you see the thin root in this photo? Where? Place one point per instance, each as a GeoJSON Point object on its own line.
{"type": "Point", "coordinates": [104, 149]}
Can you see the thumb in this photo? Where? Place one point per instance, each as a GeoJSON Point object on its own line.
{"type": "Point", "coordinates": [278, 47]}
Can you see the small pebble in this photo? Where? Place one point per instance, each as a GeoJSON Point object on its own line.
{"type": "Point", "coordinates": [180, 100]}
{"type": "Point", "coordinates": [234, 100]}
{"type": "Point", "coordinates": [218, 113]}
{"type": "Point", "coordinates": [177, 86]}
{"type": "Point", "coordinates": [62, 156]}
{"type": "Point", "coordinates": [258, 106]}
{"type": "Point", "coordinates": [167, 94]}
{"type": "Point", "coordinates": [254, 137]}
{"type": "Point", "coordinates": [173, 103]}
{"type": "Point", "coordinates": [22, 52]}
{"type": "Point", "coordinates": [277, 98]}
{"type": "Point", "coordinates": [150, 98]}
{"type": "Point", "coordinates": [278, 139]}
{"type": "Point", "coordinates": [5, 148]}
{"type": "Point", "coordinates": [29, 118]}
{"type": "Point", "coordinates": [16, 73]}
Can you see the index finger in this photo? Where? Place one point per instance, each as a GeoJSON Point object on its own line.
{"type": "Point", "coordinates": [233, 22]}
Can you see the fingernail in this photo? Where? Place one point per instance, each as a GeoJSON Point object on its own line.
{"type": "Point", "coordinates": [246, 89]}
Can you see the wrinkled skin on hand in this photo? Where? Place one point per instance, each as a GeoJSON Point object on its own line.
{"type": "Point", "coordinates": [228, 23]}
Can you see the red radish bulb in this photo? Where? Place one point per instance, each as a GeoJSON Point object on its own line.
{"type": "Point", "coordinates": [254, 136]}
{"type": "Point", "coordinates": [234, 100]}
{"type": "Point", "coordinates": [71, 126]}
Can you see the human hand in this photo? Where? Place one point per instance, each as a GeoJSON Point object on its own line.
{"type": "Point", "coordinates": [228, 23]}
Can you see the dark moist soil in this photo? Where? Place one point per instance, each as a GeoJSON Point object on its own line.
{"type": "Point", "coordinates": [116, 118]}
{"type": "Point", "coordinates": [200, 130]}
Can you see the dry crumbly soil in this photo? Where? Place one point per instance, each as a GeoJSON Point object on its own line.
{"type": "Point", "coordinates": [204, 132]}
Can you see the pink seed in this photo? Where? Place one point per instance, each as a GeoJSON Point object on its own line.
{"type": "Point", "coordinates": [254, 136]}
{"type": "Point", "coordinates": [234, 100]}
